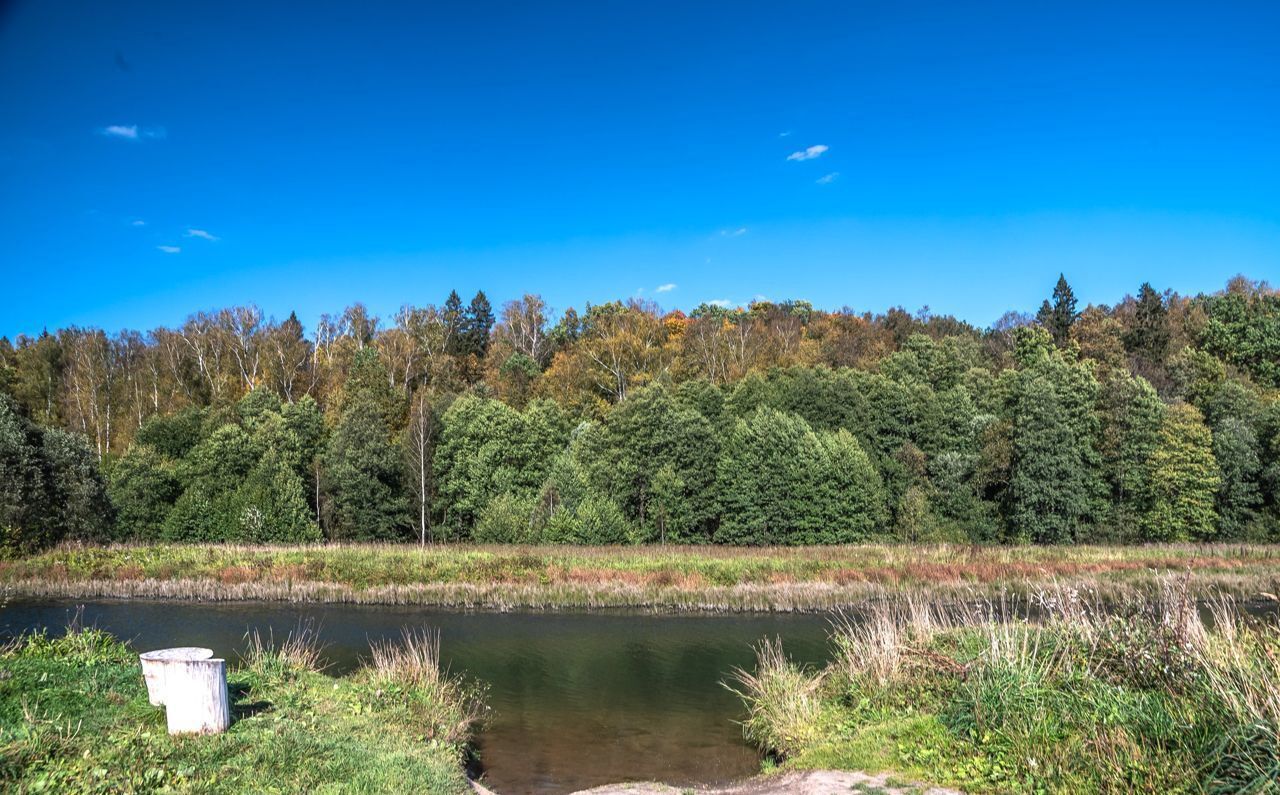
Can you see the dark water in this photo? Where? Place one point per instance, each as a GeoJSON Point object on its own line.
{"type": "Point", "coordinates": [579, 699]}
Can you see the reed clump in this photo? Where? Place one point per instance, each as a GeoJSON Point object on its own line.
{"type": "Point", "coordinates": [784, 705]}
{"type": "Point", "coordinates": [301, 650]}
{"type": "Point", "coordinates": [1062, 692]}
{"type": "Point", "coordinates": [447, 707]}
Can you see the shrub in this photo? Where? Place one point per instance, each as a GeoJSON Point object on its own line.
{"type": "Point", "coordinates": [506, 519]}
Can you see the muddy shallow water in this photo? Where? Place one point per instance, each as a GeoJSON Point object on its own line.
{"type": "Point", "coordinates": [579, 699]}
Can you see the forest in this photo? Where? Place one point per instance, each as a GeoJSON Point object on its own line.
{"type": "Point", "coordinates": [1153, 419]}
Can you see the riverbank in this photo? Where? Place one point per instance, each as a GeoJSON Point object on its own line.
{"type": "Point", "coordinates": [1144, 697]}
{"type": "Point", "coordinates": [74, 717]}
{"type": "Point", "coordinates": [808, 782]}
{"type": "Point", "coordinates": [660, 578]}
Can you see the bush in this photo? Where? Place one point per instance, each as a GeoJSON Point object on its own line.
{"type": "Point", "coordinates": [506, 519]}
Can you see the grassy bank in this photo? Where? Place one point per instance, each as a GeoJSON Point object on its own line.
{"type": "Point", "coordinates": [678, 578]}
{"type": "Point", "coordinates": [1146, 700]}
{"type": "Point", "coordinates": [74, 717]}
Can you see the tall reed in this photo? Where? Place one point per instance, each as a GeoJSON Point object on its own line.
{"type": "Point", "coordinates": [447, 707]}
{"type": "Point", "coordinates": [784, 704]}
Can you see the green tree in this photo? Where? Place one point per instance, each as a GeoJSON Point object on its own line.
{"type": "Point", "coordinates": [646, 432]}
{"type": "Point", "coordinates": [454, 324]}
{"type": "Point", "coordinates": [24, 497]}
{"type": "Point", "coordinates": [1148, 334]}
{"type": "Point", "coordinates": [1269, 445]}
{"type": "Point", "coordinates": [779, 482]}
{"type": "Point", "coordinates": [211, 476]}
{"type": "Point", "coordinates": [487, 448]}
{"type": "Point", "coordinates": [1131, 414]}
{"type": "Point", "coordinates": [962, 512]}
{"type": "Point", "coordinates": [1184, 479]}
{"type": "Point", "coordinates": [1059, 316]}
{"type": "Point", "coordinates": [477, 323]}
{"type": "Point", "coordinates": [1055, 488]}
{"type": "Point", "coordinates": [273, 504]}
{"type": "Point", "coordinates": [173, 435]}
{"type": "Point", "coordinates": [851, 497]}
{"type": "Point", "coordinates": [77, 491]}
{"type": "Point", "coordinates": [39, 367]}
{"type": "Point", "coordinates": [143, 486]}
{"type": "Point", "coordinates": [669, 509]}
{"type": "Point", "coordinates": [507, 518]}
{"type": "Point", "coordinates": [1236, 451]}
{"type": "Point", "coordinates": [363, 496]}
{"type": "Point", "coordinates": [1243, 328]}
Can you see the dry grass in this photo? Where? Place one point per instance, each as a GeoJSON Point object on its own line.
{"type": "Point", "coordinates": [665, 578]}
{"type": "Point", "coordinates": [415, 660]}
{"type": "Point", "coordinates": [1062, 691]}
{"type": "Point", "coordinates": [299, 651]}
{"type": "Point", "coordinates": [447, 707]}
{"type": "Point", "coordinates": [783, 700]}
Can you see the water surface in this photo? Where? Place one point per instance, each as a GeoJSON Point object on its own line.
{"type": "Point", "coordinates": [579, 699]}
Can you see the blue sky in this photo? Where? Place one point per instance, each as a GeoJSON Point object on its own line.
{"type": "Point", "coordinates": [305, 156]}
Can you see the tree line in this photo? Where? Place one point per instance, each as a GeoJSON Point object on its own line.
{"type": "Point", "coordinates": [1155, 419]}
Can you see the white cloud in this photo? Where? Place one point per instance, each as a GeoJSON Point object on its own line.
{"type": "Point", "coordinates": [170, 249]}
{"type": "Point", "coordinates": [129, 131]}
{"type": "Point", "coordinates": [721, 302]}
{"type": "Point", "coordinates": [739, 232]}
{"type": "Point", "coordinates": [203, 235]}
{"type": "Point", "coordinates": [137, 222]}
{"type": "Point", "coordinates": [784, 134]}
{"type": "Point", "coordinates": [664, 288]}
{"type": "Point", "coordinates": [132, 132]}
{"type": "Point", "coordinates": [828, 179]}
{"type": "Point", "coordinates": [810, 153]}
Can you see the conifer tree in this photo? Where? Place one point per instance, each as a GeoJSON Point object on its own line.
{"type": "Point", "coordinates": [1148, 336]}
{"type": "Point", "coordinates": [1061, 314]}
{"type": "Point", "coordinates": [454, 320]}
{"type": "Point", "coordinates": [477, 323]}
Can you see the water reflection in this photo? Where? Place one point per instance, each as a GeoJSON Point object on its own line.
{"type": "Point", "coordinates": [579, 699]}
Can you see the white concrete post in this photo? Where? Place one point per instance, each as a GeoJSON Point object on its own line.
{"type": "Point", "coordinates": [196, 699]}
{"type": "Point", "coordinates": [154, 665]}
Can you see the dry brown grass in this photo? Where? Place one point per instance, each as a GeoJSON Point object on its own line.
{"type": "Point", "coordinates": [663, 578]}
{"type": "Point", "coordinates": [784, 701]}
{"type": "Point", "coordinates": [447, 707]}
{"type": "Point", "coordinates": [300, 650]}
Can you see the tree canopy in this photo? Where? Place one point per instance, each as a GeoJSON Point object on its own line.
{"type": "Point", "coordinates": [1152, 419]}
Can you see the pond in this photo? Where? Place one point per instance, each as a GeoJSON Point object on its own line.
{"type": "Point", "coordinates": [579, 699]}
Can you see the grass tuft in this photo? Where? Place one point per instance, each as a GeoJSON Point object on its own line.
{"type": "Point", "coordinates": [784, 707]}
{"type": "Point", "coordinates": [300, 650]}
{"type": "Point", "coordinates": [449, 708]}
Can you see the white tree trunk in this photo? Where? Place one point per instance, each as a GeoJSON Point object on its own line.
{"type": "Point", "coordinates": [196, 699]}
{"type": "Point", "coordinates": [154, 666]}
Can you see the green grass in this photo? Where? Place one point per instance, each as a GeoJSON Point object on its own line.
{"type": "Point", "coordinates": [681, 578]}
{"type": "Point", "coordinates": [74, 717]}
{"type": "Point", "coordinates": [1147, 700]}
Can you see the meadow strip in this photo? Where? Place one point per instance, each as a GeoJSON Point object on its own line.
{"type": "Point", "coordinates": [663, 578]}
